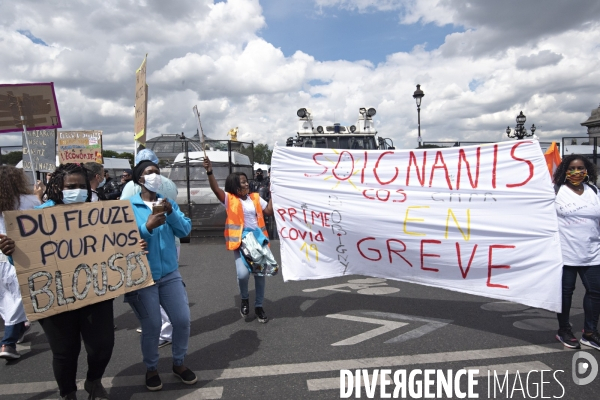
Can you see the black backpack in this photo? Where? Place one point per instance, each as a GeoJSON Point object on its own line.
{"type": "Point", "coordinates": [557, 187]}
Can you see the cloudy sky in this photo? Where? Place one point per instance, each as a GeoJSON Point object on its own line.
{"type": "Point", "coordinates": [253, 63]}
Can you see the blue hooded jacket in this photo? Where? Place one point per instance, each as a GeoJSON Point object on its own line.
{"type": "Point", "coordinates": [162, 254]}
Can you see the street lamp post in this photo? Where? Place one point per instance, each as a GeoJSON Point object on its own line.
{"type": "Point", "coordinates": [418, 95]}
{"type": "Point", "coordinates": [520, 131]}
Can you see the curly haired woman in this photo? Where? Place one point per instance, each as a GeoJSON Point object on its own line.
{"type": "Point", "coordinates": [578, 210]}
{"type": "Point", "coordinates": [15, 194]}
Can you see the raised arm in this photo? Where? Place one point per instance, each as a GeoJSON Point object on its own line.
{"type": "Point", "coordinates": [213, 181]}
{"type": "Point", "coordinates": [269, 208]}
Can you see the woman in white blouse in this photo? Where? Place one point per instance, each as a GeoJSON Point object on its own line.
{"type": "Point", "coordinates": [578, 210]}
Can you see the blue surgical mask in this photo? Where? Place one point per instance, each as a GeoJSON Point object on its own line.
{"type": "Point", "coordinates": [102, 183]}
{"type": "Point", "coordinates": [71, 196]}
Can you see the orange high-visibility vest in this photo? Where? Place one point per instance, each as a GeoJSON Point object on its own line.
{"type": "Point", "coordinates": [234, 224]}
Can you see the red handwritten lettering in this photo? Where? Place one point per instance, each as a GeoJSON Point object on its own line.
{"type": "Point", "coordinates": [492, 266]}
{"type": "Point", "coordinates": [463, 272]}
{"type": "Point", "coordinates": [420, 176]}
{"type": "Point", "coordinates": [439, 156]}
{"type": "Point", "coordinates": [423, 255]}
{"type": "Point", "coordinates": [529, 163]}
{"type": "Point", "coordinates": [462, 157]}
{"type": "Point", "coordinates": [377, 166]}
{"type": "Point", "coordinates": [396, 252]}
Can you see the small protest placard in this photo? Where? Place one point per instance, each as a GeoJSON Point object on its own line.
{"type": "Point", "coordinates": [70, 256]}
{"type": "Point", "coordinates": [35, 102]}
{"type": "Point", "coordinates": [80, 147]}
{"type": "Point", "coordinates": [42, 146]}
{"type": "Point", "coordinates": [141, 104]}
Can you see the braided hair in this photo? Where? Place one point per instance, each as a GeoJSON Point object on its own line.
{"type": "Point", "coordinates": [57, 182]}
{"type": "Point", "coordinates": [560, 175]}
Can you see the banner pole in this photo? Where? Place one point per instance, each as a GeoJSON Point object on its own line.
{"type": "Point", "coordinates": [201, 130]}
{"type": "Point", "coordinates": [26, 140]}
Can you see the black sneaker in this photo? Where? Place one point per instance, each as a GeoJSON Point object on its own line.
{"type": "Point", "coordinates": [70, 396]}
{"type": "Point", "coordinates": [566, 337]}
{"type": "Point", "coordinates": [95, 389]}
{"type": "Point", "coordinates": [260, 315]}
{"type": "Point", "coordinates": [245, 308]}
{"type": "Point", "coordinates": [153, 383]}
{"type": "Point", "coordinates": [591, 340]}
{"type": "Point", "coordinates": [187, 376]}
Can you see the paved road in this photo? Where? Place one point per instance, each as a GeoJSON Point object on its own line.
{"type": "Point", "coordinates": [316, 329]}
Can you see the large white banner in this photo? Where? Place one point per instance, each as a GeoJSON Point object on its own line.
{"type": "Point", "coordinates": [476, 219]}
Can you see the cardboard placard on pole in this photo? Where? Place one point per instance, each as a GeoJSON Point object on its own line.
{"type": "Point", "coordinates": [80, 147]}
{"type": "Point", "coordinates": [42, 148]}
{"type": "Point", "coordinates": [70, 256]}
{"type": "Point", "coordinates": [141, 106]}
{"type": "Point", "coordinates": [28, 106]}
{"type": "Point", "coordinates": [38, 107]}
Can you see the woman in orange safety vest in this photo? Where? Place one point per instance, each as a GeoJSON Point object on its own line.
{"type": "Point", "coordinates": [244, 210]}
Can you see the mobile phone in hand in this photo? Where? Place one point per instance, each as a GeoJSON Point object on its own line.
{"type": "Point", "coordinates": [158, 207]}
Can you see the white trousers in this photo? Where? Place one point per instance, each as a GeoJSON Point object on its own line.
{"type": "Point", "coordinates": [11, 304]}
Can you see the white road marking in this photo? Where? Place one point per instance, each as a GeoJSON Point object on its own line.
{"type": "Point", "coordinates": [501, 369]}
{"type": "Point", "coordinates": [305, 368]}
{"type": "Point", "coordinates": [198, 394]}
{"type": "Point", "coordinates": [307, 304]}
{"type": "Point", "coordinates": [387, 326]}
{"type": "Point", "coordinates": [512, 368]}
{"type": "Point", "coordinates": [28, 347]}
{"type": "Point", "coordinates": [368, 286]}
{"type": "Point", "coordinates": [431, 325]}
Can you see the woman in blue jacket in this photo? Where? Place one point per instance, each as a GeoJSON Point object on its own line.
{"type": "Point", "coordinates": [159, 230]}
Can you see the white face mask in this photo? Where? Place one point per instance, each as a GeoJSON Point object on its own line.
{"type": "Point", "coordinates": [102, 183]}
{"type": "Point", "coordinates": [71, 196]}
{"type": "Point", "coordinates": [153, 182]}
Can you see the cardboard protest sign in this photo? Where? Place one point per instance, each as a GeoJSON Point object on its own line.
{"type": "Point", "coordinates": [141, 105]}
{"type": "Point", "coordinates": [36, 102]}
{"type": "Point", "coordinates": [70, 256]}
{"type": "Point", "coordinates": [80, 147]}
{"type": "Point", "coordinates": [478, 219]}
{"type": "Point", "coordinates": [42, 146]}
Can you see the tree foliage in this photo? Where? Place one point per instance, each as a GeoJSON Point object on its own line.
{"type": "Point", "coordinates": [114, 154]}
{"type": "Point", "coordinates": [262, 154]}
{"type": "Point", "coordinates": [12, 158]}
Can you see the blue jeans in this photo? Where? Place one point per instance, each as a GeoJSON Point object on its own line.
{"type": "Point", "coordinates": [12, 334]}
{"type": "Point", "coordinates": [243, 276]}
{"type": "Point", "coordinates": [168, 292]}
{"type": "Point", "coordinates": [590, 277]}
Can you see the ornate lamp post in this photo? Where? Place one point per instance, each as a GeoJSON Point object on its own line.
{"type": "Point", "coordinates": [418, 95]}
{"type": "Point", "coordinates": [520, 131]}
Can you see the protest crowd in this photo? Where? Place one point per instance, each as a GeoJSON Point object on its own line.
{"type": "Point", "coordinates": [162, 308]}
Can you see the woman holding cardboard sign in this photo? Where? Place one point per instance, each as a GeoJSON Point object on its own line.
{"type": "Point", "coordinates": [93, 323]}
{"type": "Point", "coordinates": [578, 209]}
{"type": "Point", "coordinates": [14, 195]}
{"type": "Point", "coordinates": [159, 221]}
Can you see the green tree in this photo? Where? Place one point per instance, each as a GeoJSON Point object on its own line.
{"type": "Point", "coordinates": [262, 154]}
{"type": "Point", "coordinates": [12, 158]}
{"type": "Point", "coordinates": [127, 156]}
{"type": "Point", "coordinates": [109, 153]}
{"type": "Point", "coordinates": [114, 154]}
